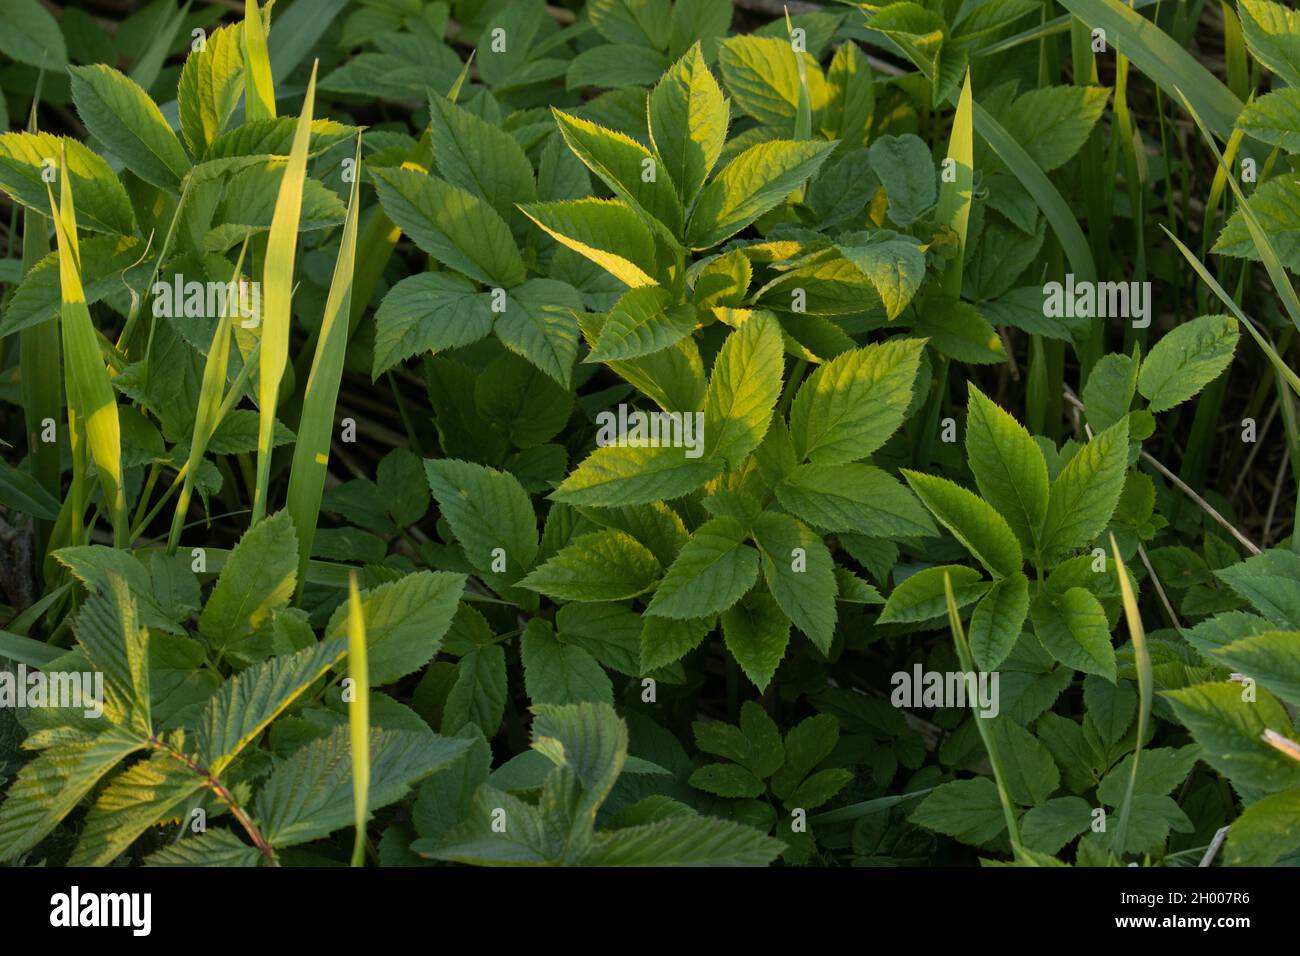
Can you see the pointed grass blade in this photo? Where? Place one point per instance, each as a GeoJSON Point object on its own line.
{"type": "Point", "coordinates": [311, 453]}
{"type": "Point", "coordinates": [277, 294]}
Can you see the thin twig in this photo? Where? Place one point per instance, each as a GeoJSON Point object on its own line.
{"type": "Point", "coordinates": [1277, 491]}
{"type": "Point", "coordinates": [1220, 835]}
{"type": "Point", "coordinates": [1160, 589]}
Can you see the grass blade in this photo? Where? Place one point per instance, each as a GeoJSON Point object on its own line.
{"type": "Point", "coordinates": [1265, 345]}
{"type": "Point", "coordinates": [1161, 58]}
{"type": "Point", "coordinates": [359, 719]}
{"type": "Point", "coordinates": [259, 88]}
{"type": "Point", "coordinates": [90, 393]}
{"type": "Point", "coordinates": [27, 651]}
{"type": "Point", "coordinates": [1046, 195]}
{"type": "Point", "coordinates": [146, 69]}
{"type": "Point", "coordinates": [955, 196]}
{"type": "Point", "coordinates": [311, 453]}
{"type": "Point", "coordinates": [277, 294]}
{"type": "Point", "coordinates": [39, 362]}
{"type": "Point", "coordinates": [209, 412]}
{"type": "Point", "coordinates": [1142, 661]}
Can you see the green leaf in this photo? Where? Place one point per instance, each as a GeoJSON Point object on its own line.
{"type": "Point", "coordinates": [851, 405]}
{"type": "Point", "coordinates": [1230, 731]}
{"type": "Point", "coordinates": [133, 801]}
{"type": "Point", "coordinates": [642, 322]}
{"type": "Point", "coordinates": [807, 744]}
{"type": "Point", "coordinates": [743, 389]}
{"type": "Point", "coordinates": [121, 115]}
{"type": "Point", "coordinates": [853, 498]}
{"type": "Point", "coordinates": [257, 581]}
{"type": "Point", "coordinates": [116, 646]}
{"type": "Point", "coordinates": [102, 202]}
{"type": "Point", "coordinates": [1084, 495]}
{"type": "Point", "coordinates": [755, 744]}
{"type": "Point", "coordinates": [1267, 832]}
{"type": "Point", "coordinates": [1049, 826]}
{"type": "Point", "coordinates": [800, 574]}
{"type": "Point", "coordinates": [606, 231]}
{"type": "Point", "coordinates": [1072, 627]}
{"type": "Point", "coordinates": [215, 847]}
{"type": "Point", "coordinates": [487, 510]}
{"type": "Point", "coordinates": [478, 697]}
{"type": "Point", "coordinates": [664, 640]}
{"type": "Point", "coordinates": [249, 701]}
{"type": "Point", "coordinates": [920, 597]}
{"type": "Point", "coordinates": [1009, 468]}
{"type": "Point", "coordinates": [763, 78]}
{"type": "Point", "coordinates": [726, 780]}
{"type": "Point", "coordinates": [1272, 659]}
{"type": "Point", "coordinates": [894, 263]}
{"type": "Point", "coordinates": [1267, 581]}
{"type": "Point", "coordinates": [750, 185]}
{"type": "Point", "coordinates": [684, 841]}
{"type": "Point", "coordinates": [538, 323]}
{"type": "Point", "coordinates": [1271, 34]}
{"type": "Point", "coordinates": [688, 122]}
{"type": "Point", "coordinates": [210, 85]}
{"type": "Point", "coordinates": [634, 474]}
{"type": "Point", "coordinates": [998, 620]}
{"type": "Point", "coordinates": [756, 632]}
{"type": "Point", "coordinates": [634, 22]}
{"type": "Point", "coordinates": [556, 673]}
{"type": "Point", "coordinates": [605, 565]}
{"type": "Point", "coordinates": [966, 809]}
{"type": "Point", "coordinates": [31, 35]}
{"type": "Point", "coordinates": [1109, 390]}
{"type": "Point", "coordinates": [308, 796]}
{"type": "Point", "coordinates": [405, 622]}
{"type": "Point", "coordinates": [1053, 123]}
{"type": "Point", "coordinates": [1032, 775]}
{"type": "Point", "coordinates": [51, 784]}
{"type": "Point", "coordinates": [1160, 771]}
{"type": "Point", "coordinates": [972, 520]}
{"type": "Point", "coordinates": [906, 170]}
{"type": "Point", "coordinates": [1274, 118]}
{"type": "Point", "coordinates": [479, 158]}
{"type": "Point", "coordinates": [1187, 359]}
{"type": "Point", "coordinates": [430, 312]}
{"type": "Point", "coordinates": [456, 227]}
{"type": "Point", "coordinates": [614, 65]}
{"type": "Point", "coordinates": [712, 572]}
{"type": "Point", "coordinates": [623, 165]}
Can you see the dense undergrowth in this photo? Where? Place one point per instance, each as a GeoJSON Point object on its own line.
{"type": "Point", "coordinates": [613, 434]}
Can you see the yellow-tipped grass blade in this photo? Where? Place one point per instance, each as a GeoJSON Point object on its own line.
{"type": "Point", "coordinates": [91, 402]}
{"type": "Point", "coordinates": [311, 453]}
{"type": "Point", "coordinates": [277, 293]}
{"type": "Point", "coordinates": [259, 88]}
{"type": "Point", "coordinates": [1142, 661]}
{"type": "Point", "coordinates": [359, 718]}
